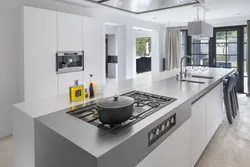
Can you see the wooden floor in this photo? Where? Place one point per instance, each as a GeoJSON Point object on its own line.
{"type": "Point", "coordinates": [230, 146]}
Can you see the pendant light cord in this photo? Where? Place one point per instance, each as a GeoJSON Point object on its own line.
{"type": "Point", "coordinates": [198, 16]}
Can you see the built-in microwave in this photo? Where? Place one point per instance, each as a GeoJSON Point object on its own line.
{"type": "Point", "coordinates": [69, 62]}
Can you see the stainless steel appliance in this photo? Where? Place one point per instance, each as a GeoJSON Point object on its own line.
{"type": "Point", "coordinates": [69, 62]}
{"type": "Point", "coordinates": [145, 105]}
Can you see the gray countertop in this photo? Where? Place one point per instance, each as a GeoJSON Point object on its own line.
{"type": "Point", "coordinates": [94, 141]}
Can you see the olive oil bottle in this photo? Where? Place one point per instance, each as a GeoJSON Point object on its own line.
{"type": "Point", "coordinates": [92, 87]}
{"type": "Point", "coordinates": [76, 93]}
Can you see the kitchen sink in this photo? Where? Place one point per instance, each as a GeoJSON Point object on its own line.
{"type": "Point", "coordinates": [203, 77]}
{"type": "Point", "coordinates": [191, 81]}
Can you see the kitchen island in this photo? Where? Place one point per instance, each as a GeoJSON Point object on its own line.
{"type": "Point", "coordinates": [45, 135]}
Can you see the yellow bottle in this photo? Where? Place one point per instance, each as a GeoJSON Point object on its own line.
{"type": "Point", "coordinates": [76, 93]}
{"type": "Point", "coordinates": [86, 94]}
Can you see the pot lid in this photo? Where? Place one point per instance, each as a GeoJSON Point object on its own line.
{"type": "Point", "coordinates": [115, 102]}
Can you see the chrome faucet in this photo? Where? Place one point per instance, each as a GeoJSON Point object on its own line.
{"type": "Point", "coordinates": [185, 73]}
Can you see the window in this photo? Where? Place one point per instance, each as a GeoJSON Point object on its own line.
{"type": "Point", "coordinates": [200, 51]}
{"type": "Point", "coordinates": [227, 49]}
{"type": "Point", "coordinates": [143, 47]}
{"type": "Point", "coordinates": [143, 54]}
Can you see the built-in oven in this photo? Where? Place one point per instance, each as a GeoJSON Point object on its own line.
{"type": "Point", "coordinates": [69, 62]}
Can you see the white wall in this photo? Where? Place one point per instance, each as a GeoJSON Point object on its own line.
{"type": "Point", "coordinates": [126, 54]}
{"type": "Point", "coordinates": [121, 50]}
{"type": "Point", "coordinates": [109, 30]}
{"type": "Point", "coordinates": [130, 56]}
{"type": "Point", "coordinates": [156, 58]}
{"type": "Point", "coordinates": [112, 51]}
{"type": "Point", "coordinates": [11, 85]}
{"type": "Point", "coordinates": [9, 68]}
{"type": "Point", "coordinates": [141, 34]}
{"type": "Point", "coordinates": [162, 45]}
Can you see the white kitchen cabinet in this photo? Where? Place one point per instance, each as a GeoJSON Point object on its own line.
{"type": "Point", "coordinates": [68, 79]}
{"type": "Point", "coordinates": [214, 111]}
{"type": "Point", "coordinates": [207, 115]}
{"type": "Point", "coordinates": [94, 50]}
{"type": "Point", "coordinates": [40, 46]}
{"type": "Point", "coordinates": [198, 132]}
{"type": "Point", "coordinates": [69, 32]}
{"type": "Point", "coordinates": [173, 152]}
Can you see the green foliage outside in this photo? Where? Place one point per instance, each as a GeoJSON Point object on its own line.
{"type": "Point", "coordinates": [141, 46]}
{"type": "Point", "coordinates": [221, 37]}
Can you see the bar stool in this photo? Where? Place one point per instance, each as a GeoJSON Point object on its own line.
{"type": "Point", "coordinates": [227, 100]}
{"type": "Point", "coordinates": [236, 74]}
{"type": "Point", "coordinates": [233, 97]}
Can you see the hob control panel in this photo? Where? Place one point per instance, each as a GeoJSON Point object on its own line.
{"type": "Point", "coordinates": [161, 129]}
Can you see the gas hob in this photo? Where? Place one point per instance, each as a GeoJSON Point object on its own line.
{"type": "Point", "coordinates": [145, 105]}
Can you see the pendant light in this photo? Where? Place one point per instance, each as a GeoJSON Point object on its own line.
{"type": "Point", "coordinates": [199, 28]}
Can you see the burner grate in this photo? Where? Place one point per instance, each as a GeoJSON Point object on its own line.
{"type": "Point", "coordinates": [145, 105]}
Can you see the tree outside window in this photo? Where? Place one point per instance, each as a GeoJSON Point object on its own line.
{"type": "Point", "coordinates": [143, 47]}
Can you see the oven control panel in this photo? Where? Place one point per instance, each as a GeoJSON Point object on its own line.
{"type": "Point", "coordinates": [161, 129]}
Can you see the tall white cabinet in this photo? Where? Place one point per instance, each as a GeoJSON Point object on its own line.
{"type": "Point", "coordinates": [69, 32]}
{"type": "Point", "coordinates": [45, 33]}
{"type": "Point", "coordinates": [94, 50]}
{"type": "Point", "coordinates": [40, 45]}
{"type": "Point", "coordinates": [69, 39]}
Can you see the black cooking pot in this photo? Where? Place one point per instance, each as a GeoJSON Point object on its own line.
{"type": "Point", "coordinates": [115, 110]}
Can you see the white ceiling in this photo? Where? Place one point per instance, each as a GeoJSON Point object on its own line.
{"type": "Point", "coordinates": [220, 12]}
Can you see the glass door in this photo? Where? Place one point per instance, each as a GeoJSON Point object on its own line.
{"type": "Point", "coordinates": [229, 47]}
{"type": "Point", "coordinates": [226, 49]}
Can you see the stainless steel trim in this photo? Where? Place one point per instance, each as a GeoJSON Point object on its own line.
{"type": "Point", "coordinates": [144, 6]}
{"type": "Point", "coordinates": [69, 69]}
{"type": "Point", "coordinates": [67, 53]}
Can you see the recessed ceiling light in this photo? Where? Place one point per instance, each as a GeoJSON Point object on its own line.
{"type": "Point", "coordinates": [178, 1]}
{"type": "Point", "coordinates": [119, 3]}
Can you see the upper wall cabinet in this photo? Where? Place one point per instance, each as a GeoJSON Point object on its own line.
{"type": "Point", "coordinates": [40, 45]}
{"type": "Point", "coordinates": [69, 32]}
